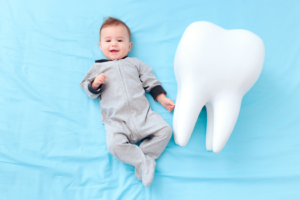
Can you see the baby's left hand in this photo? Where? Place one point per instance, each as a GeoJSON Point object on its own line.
{"type": "Point", "coordinates": [165, 102]}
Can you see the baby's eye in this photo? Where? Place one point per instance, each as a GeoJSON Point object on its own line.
{"type": "Point", "coordinates": [107, 40]}
{"type": "Point", "coordinates": [120, 40]}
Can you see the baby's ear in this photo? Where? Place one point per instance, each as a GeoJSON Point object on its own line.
{"type": "Point", "coordinates": [130, 45]}
{"type": "Point", "coordinates": [99, 44]}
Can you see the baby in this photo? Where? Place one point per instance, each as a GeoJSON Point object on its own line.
{"type": "Point", "coordinates": [120, 83]}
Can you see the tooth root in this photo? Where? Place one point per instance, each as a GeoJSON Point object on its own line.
{"type": "Point", "coordinates": [185, 117]}
{"type": "Point", "coordinates": [175, 121]}
{"type": "Point", "coordinates": [210, 127]}
{"type": "Point", "coordinates": [224, 112]}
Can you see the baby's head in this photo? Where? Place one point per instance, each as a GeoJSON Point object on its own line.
{"type": "Point", "coordinates": [114, 39]}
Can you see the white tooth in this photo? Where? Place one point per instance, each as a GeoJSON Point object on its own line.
{"type": "Point", "coordinates": [214, 67]}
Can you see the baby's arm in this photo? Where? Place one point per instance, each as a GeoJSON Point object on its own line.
{"type": "Point", "coordinates": [152, 85]}
{"type": "Point", "coordinates": [89, 79]}
{"type": "Point", "coordinates": [165, 102]}
{"type": "Point", "coordinates": [100, 79]}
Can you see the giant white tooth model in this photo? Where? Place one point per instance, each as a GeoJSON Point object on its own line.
{"type": "Point", "coordinates": [214, 67]}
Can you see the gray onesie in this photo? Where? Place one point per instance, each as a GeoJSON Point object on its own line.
{"type": "Point", "coordinates": [126, 112]}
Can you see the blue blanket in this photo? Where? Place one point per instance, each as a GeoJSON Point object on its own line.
{"type": "Point", "coordinates": [52, 141]}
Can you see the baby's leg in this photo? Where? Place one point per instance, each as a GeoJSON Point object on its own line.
{"type": "Point", "coordinates": [153, 146]}
{"type": "Point", "coordinates": [119, 146]}
{"type": "Point", "coordinates": [156, 143]}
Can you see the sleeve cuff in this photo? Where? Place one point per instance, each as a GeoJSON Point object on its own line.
{"type": "Point", "coordinates": [92, 90]}
{"type": "Point", "coordinates": [157, 90]}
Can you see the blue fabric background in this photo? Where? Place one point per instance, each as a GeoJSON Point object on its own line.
{"type": "Point", "coordinates": [52, 142]}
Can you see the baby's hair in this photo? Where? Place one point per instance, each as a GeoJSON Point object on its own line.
{"type": "Point", "coordinates": [111, 21]}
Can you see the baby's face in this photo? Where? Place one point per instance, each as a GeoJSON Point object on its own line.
{"type": "Point", "coordinates": [114, 42]}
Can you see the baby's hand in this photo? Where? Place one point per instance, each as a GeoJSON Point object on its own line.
{"type": "Point", "coordinates": [100, 79]}
{"type": "Point", "coordinates": [165, 102]}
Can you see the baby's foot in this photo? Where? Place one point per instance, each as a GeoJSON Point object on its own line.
{"type": "Point", "coordinates": [138, 174]}
{"type": "Point", "coordinates": [148, 171]}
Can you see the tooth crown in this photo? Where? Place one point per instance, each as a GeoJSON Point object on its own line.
{"type": "Point", "coordinates": [214, 67]}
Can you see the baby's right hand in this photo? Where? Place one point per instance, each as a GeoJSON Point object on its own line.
{"type": "Point", "coordinates": [100, 79]}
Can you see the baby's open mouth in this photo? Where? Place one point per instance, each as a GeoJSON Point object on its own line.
{"type": "Point", "coordinates": [114, 51]}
